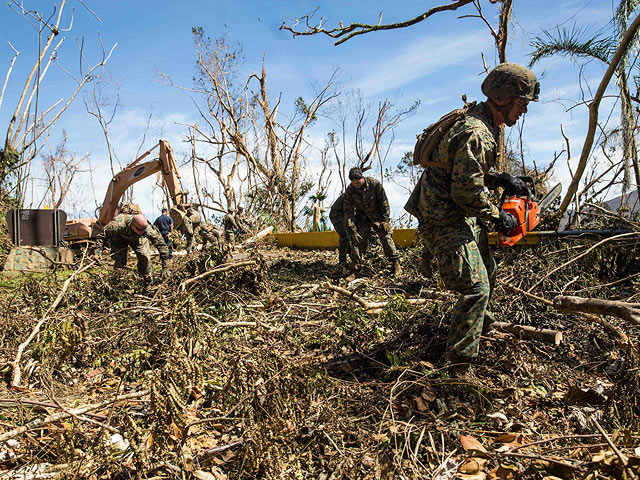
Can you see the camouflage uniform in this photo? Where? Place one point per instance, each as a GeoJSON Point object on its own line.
{"type": "Point", "coordinates": [210, 234]}
{"type": "Point", "coordinates": [336, 215]}
{"type": "Point", "coordinates": [119, 234]}
{"type": "Point", "coordinates": [453, 206]}
{"type": "Point", "coordinates": [367, 208]}
{"type": "Point", "coordinates": [232, 224]}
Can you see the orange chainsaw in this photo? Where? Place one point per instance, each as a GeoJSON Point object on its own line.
{"type": "Point", "coordinates": [526, 210]}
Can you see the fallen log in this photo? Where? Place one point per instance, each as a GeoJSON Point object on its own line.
{"type": "Point", "coordinates": [525, 331]}
{"type": "Point", "coordinates": [626, 311]}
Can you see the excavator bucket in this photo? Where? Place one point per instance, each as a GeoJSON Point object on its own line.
{"type": "Point", "coordinates": [37, 237]}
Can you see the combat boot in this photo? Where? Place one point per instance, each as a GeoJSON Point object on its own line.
{"type": "Point", "coordinates": [396, 268]}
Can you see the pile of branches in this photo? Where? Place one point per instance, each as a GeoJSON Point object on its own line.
{"type": "Point", "coordinates": [266, 365]}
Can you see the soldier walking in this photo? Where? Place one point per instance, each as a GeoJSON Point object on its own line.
{"type": "Point", "coordinates": [233, 224]}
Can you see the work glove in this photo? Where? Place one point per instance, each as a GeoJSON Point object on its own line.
{"type": "Point", "coordinates": [506, 223]}
{"type": "Point", "coordinates": [512, 185]}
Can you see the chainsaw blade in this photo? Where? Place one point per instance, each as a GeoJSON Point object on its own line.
{"type": "Point", "coordinates": [550, 197]}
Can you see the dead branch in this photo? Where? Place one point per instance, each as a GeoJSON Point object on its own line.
{"type": "Point", "coordinates": [566, 303]}
{"type": "Point", "coordinates": [359, 28]}
{"type": "Point", "coordinates": [593, 115]}
{"type": "Point", "coordinates": [374, 308]}
{"type": "Point", "coordinates": [623, 458]}
{"type": "Point", "coordinates": [219, 269]}
{"type": "Point", "coordinates": [578, 257]}
{"type": "Point", "coordinates": [616, 331]}
{"type": "Point", "coordinates": [41, 422]}
{"type": "Point", "coordinates": [525, 331]}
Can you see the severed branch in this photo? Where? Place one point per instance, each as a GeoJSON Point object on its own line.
{"type": "Point", "coordinates": [38, 423]}
{"type": "Point", "coordinates": [345, 33]}
{"type": "Point", "coordinates": [545, 335]}
{"type": "Point", "coordinates": [626, 311]}
{"type": "Point", "coordinates": [220, 268]}
{"type": "Point", "coordinates": [373, 308]}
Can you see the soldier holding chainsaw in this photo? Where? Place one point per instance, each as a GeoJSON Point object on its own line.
{"type": "Point", "coordinates": [452, 201]}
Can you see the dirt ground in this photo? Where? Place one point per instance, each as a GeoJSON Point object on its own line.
{"type": "Point", "coordinates": [250, 364]}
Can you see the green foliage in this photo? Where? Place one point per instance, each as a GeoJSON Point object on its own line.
{"type": "Point", "coordinates": [571, 42]}
{"type": "Point", "coordinates": [302, 107]}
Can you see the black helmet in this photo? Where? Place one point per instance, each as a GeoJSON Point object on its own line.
{"type": "Point", "coordinates": [509, 80]}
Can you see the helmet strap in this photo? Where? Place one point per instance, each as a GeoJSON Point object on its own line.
{"type": "Point", "coordinates": [504, 109]}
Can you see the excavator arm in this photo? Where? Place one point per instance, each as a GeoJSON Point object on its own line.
{"type": "Point", "coordinates": [165, 163]}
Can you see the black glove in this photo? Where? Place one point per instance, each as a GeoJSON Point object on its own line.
{"type": "Point", "coordinates": [506, 223]}
{"type": "Point", "coordinates": [512, 185]}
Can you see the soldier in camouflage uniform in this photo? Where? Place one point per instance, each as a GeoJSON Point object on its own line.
{"type": "Point", "coordinates": [210, 235]}
{"type": "Point", "coordinates": [366, 208]}
{"type": "Point", "coordinates": [233, 224]}
{"type": "Point", "coordinates": [133, 231]}
{"type": "Point", "coordinates": [453, 201]}
{"type": "Point", "coordinates": [336, 215]}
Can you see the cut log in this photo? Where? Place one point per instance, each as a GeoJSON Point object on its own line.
{"type": "Point", "coordinates": [525, 331]}
{"type": "Point", "coordinates": [626, 311]}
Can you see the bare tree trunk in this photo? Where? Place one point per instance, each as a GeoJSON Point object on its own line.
{"type": "Point", "coordinates": [626, 311]}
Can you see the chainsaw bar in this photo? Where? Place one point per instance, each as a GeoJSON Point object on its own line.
{"type": "Point", "coordinates": [550, 197]}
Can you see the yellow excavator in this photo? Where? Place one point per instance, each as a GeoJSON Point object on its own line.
{"type": "Point", "coordinates": [38, 242]}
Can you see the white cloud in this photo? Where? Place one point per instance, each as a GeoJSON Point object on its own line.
{"type": "Point", "coordinates": [421, 58]}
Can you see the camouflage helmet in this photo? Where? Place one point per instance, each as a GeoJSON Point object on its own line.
{"type": "Point", "coordinates": [510, 80]}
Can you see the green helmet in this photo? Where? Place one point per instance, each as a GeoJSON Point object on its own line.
{"type": "Point", "coordinates": [510, 80]}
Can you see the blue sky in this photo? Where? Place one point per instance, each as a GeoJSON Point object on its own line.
{"type": "Point", "coordinates": [434, 61]}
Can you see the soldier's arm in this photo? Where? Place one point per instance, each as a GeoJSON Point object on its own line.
{"type": "Point", "coordinates": [156, 239]}
{"type": "Point", "coordinates": [106, 233]}
{"type": "Point", "coordinates": [467, 180]}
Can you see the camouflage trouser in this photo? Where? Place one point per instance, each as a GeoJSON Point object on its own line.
{"type": "Point", "coordinates": [229, 235]}
{"type": "Point", "coordinates": [187, 230]}
{"type": "Point", "coordinates": [365, 229]}
{"type": "Point", "coordinates": [344, 240]}
{"type": "Point", "coordinates": [211, 236]}
{"type": "Point", "coordinates": [467, 266]}
{"type": "Point", "coordinates": [119, 248]}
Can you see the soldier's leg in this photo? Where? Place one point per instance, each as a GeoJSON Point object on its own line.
{"type": "Point", "coordinates": [462, 269]}
{"type": "Point", "coordinates": [482, 239]}
{"type": "Point", "coordinates": [143, 254]}
{"type": "Point", "coordinates": [344, 243]}
{"type": "Point", "coordinates": [388, 245]}
{"type": "Point", "coordinates": [119, 250]}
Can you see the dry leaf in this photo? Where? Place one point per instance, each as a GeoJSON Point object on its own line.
{"type": "Point", "coordinates": [470, 443]}
{"type": "Point", "coordinates": [472, 465]}
{"type": "Point", "coordinates": [421, 404]}
{"type": "Point", "coordinates": [148, 444]}
{"type": "Point", "coordinates": [380, 437]}
{"type": "Point", "coordinates": [477, 476]}
{"type": "Point", "coordinates": [506, 438]}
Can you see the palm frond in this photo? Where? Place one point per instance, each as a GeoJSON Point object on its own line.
{"type": "Point", "coordinates": [571, 42]}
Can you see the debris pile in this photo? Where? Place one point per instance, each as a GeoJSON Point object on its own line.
{"type": "Point", "coordinates": [266, 365]}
